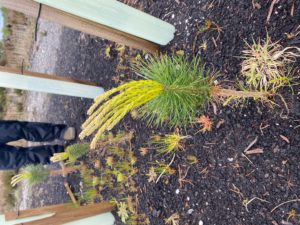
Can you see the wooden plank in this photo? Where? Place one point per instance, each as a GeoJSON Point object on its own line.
{"type": "Point", "coordinates": [75, 214]}
{"type": "Point", "coordinates": [11, 78]}
{"type": "Point", "coordinates": [36, 212]}
{"type": "Point", "coordinates": [31, 8]}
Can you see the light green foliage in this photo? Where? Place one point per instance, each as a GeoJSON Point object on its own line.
{"type": "Point", "coordinates": [168, 143]}
{"type": "Point", "coordinates": [33, 174]}
{"type": "Point", "coordinates": [111, 140]}
{"type": "Point", "coordinates": [76, 151]}
{"type": "Point", "coordinates": [72, 153]}
{"type": "Point", "coordinates": [161, 167]}
{"type": "Point", "coordinates": [89, 193]}
{"type": "Point", "coordinates": [186, 85]}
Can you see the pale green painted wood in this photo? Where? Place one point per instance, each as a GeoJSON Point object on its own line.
{"type": "Point", "coordinates": [119, 16]}
{"type": "Point", "coordinates": [16, 81]}
{"type": "Point", "coordinates": [103, 219]}
{"type": "Point", "coordinates": [20, 221]}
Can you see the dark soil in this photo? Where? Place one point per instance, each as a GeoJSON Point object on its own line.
{"type": "Point", "coordinates": [224, 179]}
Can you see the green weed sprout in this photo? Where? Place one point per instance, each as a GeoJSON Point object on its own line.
{"type": "Point", "coordinates": [123, 211]}
{"type": "Point", "coordinates": [72, 153]}
{"type": "Point", "coordinates": [169, 143]}
{"type": "Point", "coordinates": [34, 174]}
{"type": "Point", "coordinates": [173, 91]}
{"type": "Point", "coordinates": [161, 167]}
{"type": "Point", "coordinates": [266, 65]}
{"type": "Point", "coordinates": [88, 181]}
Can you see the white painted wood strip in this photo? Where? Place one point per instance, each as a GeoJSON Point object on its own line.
{"type": "Point", "coordinates": [17, 81]}
{"type": "Point", "coordinates": [25, 220]}
{"type": "Point", "coordinates": [119, 16]}
{"type": "Point", "coordinates": [103, 219]}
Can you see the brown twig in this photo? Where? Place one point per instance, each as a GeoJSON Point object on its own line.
{"type": "Point", "coordinates": [255, 151]}
{"type": "Point", "coordinates": [247, 158]}
{"type": "Point", "coordinates": [251, 144]}
{"type": "Point", "coordinates": [162, 173]}
{"type": "Point", "coordinates": [70, 193]}
{"type": "Point", "coordinates": [293, 9]}
{"type": "Point", "coordinates": [182, 177]}
{"type": "Point", "coordinates": [274, 2]}
{"type": "Point", "coordinates": [295, 200]}
{"type": "Point", "coordinates": [246, 202]}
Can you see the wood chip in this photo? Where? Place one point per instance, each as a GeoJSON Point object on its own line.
{"type": "Point", "coordinates": [285, 139]}
{"type": "Point", "coordinates": [220, 123]}
{"type": "Point", "coordinates": [215, 108]}
{"type": "Point", "coordinates": [256, 5]}
{"type": "Point", "coordinates": [255, 151]}
{"type": "Point", "coordinates": [293, 9]}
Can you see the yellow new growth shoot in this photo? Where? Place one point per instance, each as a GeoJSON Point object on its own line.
{"type": "Point", "coordinates": [57, 157]}
{"type": "Point", "coordinates": [106, 112]}
{"type": "Point", "coordinates": [20, 177]}
{"type": "Point", "coordinates": [169, 143]}
{"type": "Point", "coordinates": [72, 153]}
{"type": "Point", "coordinates": [34, 174]}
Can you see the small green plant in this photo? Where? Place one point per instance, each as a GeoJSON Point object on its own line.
{"type": "Point", "coordinates": [267, 66]}
{"type": "Point", "coordinates": [72, 153]}
{"type": "Point", "coordinates": [34, 174]}
{"type": "Point", "coordinates": [138, 219]}
{"type": "Point", "coordinates": [162, 168]}
{"type": "Point", "coordinates": [89, 193]}
{"type": "Point", "coordinates": [123, 211]}
{"type": "Point", "coordinates": [169, 143]}
{"type": "Point", "coordinates": [173, 91]}
{"type": "Point", "coordinates": [113, 141]}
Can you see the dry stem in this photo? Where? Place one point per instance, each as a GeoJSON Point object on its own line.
{"type": "Point", "coordinates": [228, 93]}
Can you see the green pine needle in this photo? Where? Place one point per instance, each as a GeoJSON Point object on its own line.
{"type": "Point", "coordinates": [187, 89]}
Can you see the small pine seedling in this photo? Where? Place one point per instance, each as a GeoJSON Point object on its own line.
{"type": "Point", "coordinates": [34, 174]}
{"type": "Point", "coordinates": [173, 91]}
{"type": "Point", "coordinates": [72, 153]}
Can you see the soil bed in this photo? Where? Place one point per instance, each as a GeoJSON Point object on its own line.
{"type": "Point", "coordinates": [223, 180]}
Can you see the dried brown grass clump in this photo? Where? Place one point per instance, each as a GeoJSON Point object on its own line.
{"type": "Point", "coordinates": [267, 66]}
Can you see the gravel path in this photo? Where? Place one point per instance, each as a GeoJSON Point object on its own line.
{"type": "Point", "coordinates": [44, 59]}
